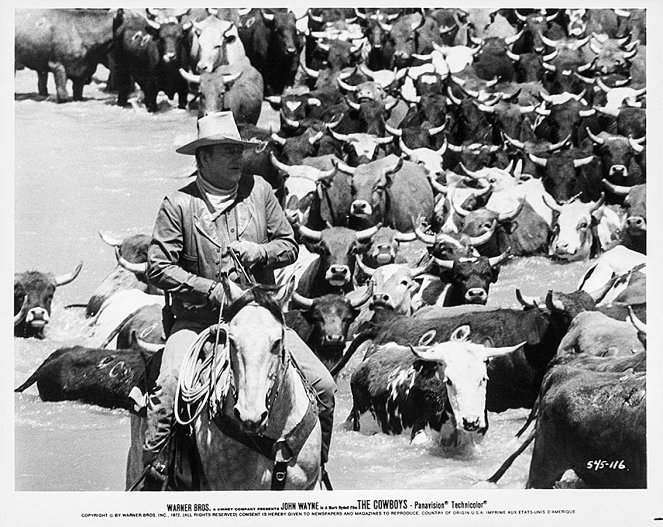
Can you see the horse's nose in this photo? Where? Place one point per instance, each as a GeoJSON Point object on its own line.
{"type": "Point", "coordinates": [250, 425]}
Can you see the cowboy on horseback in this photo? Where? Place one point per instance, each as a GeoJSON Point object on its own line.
{"type": "Point", "coordinates": [198, 231]}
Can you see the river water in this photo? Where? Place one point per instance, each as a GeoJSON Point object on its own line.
{"type": "Point", "coordinates": [89, 166]}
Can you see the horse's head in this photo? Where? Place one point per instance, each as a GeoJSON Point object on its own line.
{"type": "Point", "coordinates": [257, 353]}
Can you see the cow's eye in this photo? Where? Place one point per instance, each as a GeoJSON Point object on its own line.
{"type": "Point", "coordinates": [218, 46]}
{"type": "Point", "coordinates": [447, 381]}
{"type": "Point", "coordinates": [230, 39]}
{"type": "Point", "coordinates": [582, 225]}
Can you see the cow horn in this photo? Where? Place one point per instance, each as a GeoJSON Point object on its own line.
{"type": "Point", "coordinates": [384, 140]}
{"type": "Point", "coordinates": [548, 41]}
{"type": "Point", "coordinates": [355, 106]}
{"type": "Point", "coordinates": [367, 72]}
{"type": "Point", "coordinates": [444, 264]}
{"type": "Point", "coordinates": [423, 58]}
{"type": "Point", "coordinates": [497, 260]}
{"type": "Point", "coordinates": [242, 11]}
{"type": "Point", "coordinates": [136, 268]}
{"type": "Point", "coordinates": [596, 49]}
{"type": "Point", "coordinates": [311, 235]}
{"type": "Point", "coordinates": [368, 271]}
{"type": "Point", "coordinates": [639, 324]}
{"type": "Point", "coordinates": [630, 54]}
{"type": "Point", "coordinates": [324, 47]}
{"type": "Point", "coordinates": [527, 301]}
{"type": "Point", "coordinates": [18, 317]}
{"type": "Point", "coordinates": [520, 16]}
{"type": "Point", "coordinates": [358, 14]}
{"type": "Point", "coordinates": [457, 208]}
{"type": "Point", "coordinates": [345, 86]}
{"type": "Point", "coordinates": [485, 108]}
{"type": "Point", "coordinates": [549, 67]}
{"type": "Point", "coordinates": [586, 80]}
{"type": "Point", "coordinates": [552, 303]}
{"type": "Point", "coordinates": [551, 204]}
{"type": "Point", "coordinates": [339, 137]}
{"type": "Point", "coordinates": [292, 123]}
{"type": "Point", "coordinates": [395, 168]}
{"type": "Point", "coordinates": [189, 77]}
{"type": "Point", "coordinates": [507, 216]}
{"type": "Point", "coordinates": [232, 77]}
{"type": "Point", "coordinates": [446, 29]}
{"type": "Point", "coordinates": [541, 161]}
{"type": "Point", "coordinates": [267, 16]}
{"type": "Point", "coordinates": [490, 353]}
{"type": "Point", "coordinates": [343, 167]}
{"type": "Point", "coordinates": [356, 302]}
{"type": "Point", "coordinates": [471, 173]}
{"type": "Point", "coordinates": [113, 242]}
{"type": "Point", "coordinates": [278, 164]}
{"type": "Point", "coordinates": [618, 190]}
{"type": "Point", "coordinates": [313, 101]}
{"type": "Point", "coordinates": [455, 148]}
{"type": "Point", "coordinates": [436, 130]}
{"type": "Point", "coordinates": [311, 73]}
{"type": "Point", "coordinates": [277, 139]}
{"type": "Point", "coordinates": [138, 343]}
{"type": "Point", "coordinates": [317, 19]}
{"type": "Point", "coordinates": [595, 138]}
{"type": "Point", "coordinates": [512, 39]}
{"type": "Point", "coordinates": [550, 56]}
{"type": "Point", "coordinates": [437, 186]}
{"type": "Point", "coordinates": [509, 97]}
{"type": "Point", "coordinates": [315, 138]}
{"type": "Point", "coordinates": [443, 148]}
{"type": "Point", "coordinates": [598, 204]}
{"type": "Point", "coordinates": [518, 144]}
{"type": "Point", "coordinates": [586, 67]}
{"type": "Point", "coordinates": [302, 301]}
{"type": "Point", "coordinates": [405, 236]}
{"type": "Point", "coordinates": [153, 24]}
{"type": "Point", "coordinates": [476, 41]}
{"type": "Point", "coordinates": [65, 279]}
{"type": "Point", "coordinates": [404, 147]}
{"type": "Point", "coordinates": [603, 85]}
{"type": "Point", "coordinates": [622, 12]}
{"type": "Point", "coordinates": [385, 27]}
{"type": "Point", "coordinates": [577, 163]}
{"type": "Point", "coordinates": [367, 234]}
{"type": "Point", "coordinates": [513, 56]}
{"type": "Point", "coordinates": [587, 113]}
{"type": "Point", "coordinates": [637, 147]}
{"type": "Point", "coordinates": [562, 143]}
{"type": "Point", "coordinates": [393, 131]}
{"type": "Point", "coordinates": [452, 97]}
{"type": "Point", "coordinates": [428, 239]}
{"type": "Point", "coordinates": [483, 238]}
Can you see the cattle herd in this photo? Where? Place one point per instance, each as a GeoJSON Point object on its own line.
{"type": "Point", "coordinates": [418, 151]}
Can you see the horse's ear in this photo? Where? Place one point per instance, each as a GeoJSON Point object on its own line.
{"type": "Point", "coordinates": [232, 290]}
{"type": "Point", "coordinates": [283, 296]}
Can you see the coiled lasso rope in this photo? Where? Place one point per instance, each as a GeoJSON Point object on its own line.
{"type": "Point", "coordinates": [196, 381]}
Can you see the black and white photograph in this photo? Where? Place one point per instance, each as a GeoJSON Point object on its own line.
{"type": "Point", "coordinates": [395, 256]}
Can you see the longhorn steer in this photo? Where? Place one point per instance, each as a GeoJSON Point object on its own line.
{"type": "Point", "coordinates": [68, 42]}
{"type": "Point", "coordinates": [333, 271]}
{"type": "Point", "coordinates": [33, 294]}
{"type": "Point", "coordinates": [427, 386]}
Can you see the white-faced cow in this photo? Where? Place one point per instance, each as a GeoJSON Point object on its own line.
{"type": "Point", "coordinates": [407, 387]}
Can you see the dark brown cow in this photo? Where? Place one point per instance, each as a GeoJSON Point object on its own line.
{"type": "Point", "coordinates": [68, 42]}
{"type": "Point", "coordinates": [33, 294]}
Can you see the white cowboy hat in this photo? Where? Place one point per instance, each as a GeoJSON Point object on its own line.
{"type": "Point", "coordinates": [215, 129]}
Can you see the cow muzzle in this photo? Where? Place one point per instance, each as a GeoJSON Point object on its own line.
{"type": "Point", "coordinates": [618, 171]}
{"type": "Point", "coordinates": [476, 295]}
{"type": "Point", "coordinates": [384, 254]}
{"type": "Point", "coordinates": [333, 340]}
{"type": "Point", "coordinates": [37, 317]}
{"type": "Point", "coordinates": [382, 300]}
{"type": "Point", "coordinates": [361, 207]}
{"type": "Point", "coordinates": [471, 424]}
{"type": "Point", "coordinates": [636, 225]}
{"type": "Point", "coordinates": [338, 275]}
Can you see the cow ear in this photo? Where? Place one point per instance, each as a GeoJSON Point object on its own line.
{"type": "Point", "coordinates": [461, 333]}
{"type": "Point", "coordinates": [510, 226]}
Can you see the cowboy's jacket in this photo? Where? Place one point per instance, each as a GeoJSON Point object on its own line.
{"type": "Point", "coordinates": [188, 251]}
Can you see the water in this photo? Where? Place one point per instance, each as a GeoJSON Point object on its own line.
{"type": "Point", "coordinates": [89, 166]}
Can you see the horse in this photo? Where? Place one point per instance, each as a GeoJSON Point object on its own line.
{"type": "Point", "coordinates": [264, 398]}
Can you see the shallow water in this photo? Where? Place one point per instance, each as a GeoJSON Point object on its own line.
{"type": "Point", "coordinates": [89, 166]}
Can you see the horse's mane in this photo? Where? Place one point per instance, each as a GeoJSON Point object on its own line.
{"type": "Point", "coordinates": [261, 294]}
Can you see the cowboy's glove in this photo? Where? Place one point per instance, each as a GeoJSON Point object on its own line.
{"type": "Point", "coordinates": [216, 294]}
{"type": "Point", "coordinates": [249, 253]}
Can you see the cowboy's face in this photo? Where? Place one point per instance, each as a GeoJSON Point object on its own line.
{"type": "Point", "coordinates": [220, 165]}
